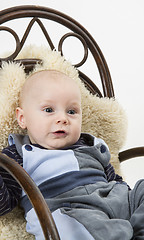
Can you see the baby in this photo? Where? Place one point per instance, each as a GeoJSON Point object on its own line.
{"type": "Point", "coordinates": [71, 168]}
{"type": "Point", "coordinates": [51, 110]}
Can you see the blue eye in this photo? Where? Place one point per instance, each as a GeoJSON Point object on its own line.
{"type": "Point", "coordinates": [48, 110]}
{"type": "Point", "coordinates": [71, 111]}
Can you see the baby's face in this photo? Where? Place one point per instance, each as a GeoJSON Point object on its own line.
{"type": "Point", "coordinates": [51, 110]}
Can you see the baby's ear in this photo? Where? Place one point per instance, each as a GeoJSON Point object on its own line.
{"type": "Point", "coordinates": [20, 117]}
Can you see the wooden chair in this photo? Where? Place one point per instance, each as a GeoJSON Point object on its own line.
{"type": "Point", "coordinates": [41, 15]}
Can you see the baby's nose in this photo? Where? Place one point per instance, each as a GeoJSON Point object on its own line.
{"type": "Point", "coordinates": [62, 119]}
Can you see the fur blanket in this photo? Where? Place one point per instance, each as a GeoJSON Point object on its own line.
{"type": "Point", "coordinates": [102, 117]}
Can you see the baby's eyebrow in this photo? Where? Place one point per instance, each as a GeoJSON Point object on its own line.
{"type": "Point", "coordinates": [75, 104]}
{"type": "Point", "coordinates": [76, 107]}
{"type": "Point", "coordinates": [45, 105]}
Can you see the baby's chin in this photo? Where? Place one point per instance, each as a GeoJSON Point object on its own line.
{"type": "Point", "coordinates": [55, 144]}
{"type": "Point", "coordinates": [59, 146]}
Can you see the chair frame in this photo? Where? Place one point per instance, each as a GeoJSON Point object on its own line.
{"type": "Point", "coordinates": [36, 13]}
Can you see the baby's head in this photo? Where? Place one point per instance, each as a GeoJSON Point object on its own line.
{"type": "Point", "coordinates": [50, 109]}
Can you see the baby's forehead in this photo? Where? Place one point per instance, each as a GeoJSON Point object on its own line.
{"type": "Point", "coordinates": [49, 75]}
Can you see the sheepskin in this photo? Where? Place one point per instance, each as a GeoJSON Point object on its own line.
{"type": "Point", "coordinates": [102, 117]}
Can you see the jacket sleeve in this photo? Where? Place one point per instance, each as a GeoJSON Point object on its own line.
{"type": "Point", "coordinates": [10, 191]}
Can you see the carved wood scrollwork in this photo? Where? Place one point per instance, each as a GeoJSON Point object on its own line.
{"type": "Point", "coordinates": [20, 44]}
{"type": "Point", "coordinates": [30, 63]}
{"type": "Point", "coordinates": [35, 14]}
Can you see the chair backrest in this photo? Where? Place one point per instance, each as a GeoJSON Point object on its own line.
{"type": "Point", "coordinates": [38, 14]}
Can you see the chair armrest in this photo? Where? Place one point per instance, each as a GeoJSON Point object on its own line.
{"type": "Point", "coordinates": [131, 153]}
{"type": "Point", "coordinates": [34, 195]}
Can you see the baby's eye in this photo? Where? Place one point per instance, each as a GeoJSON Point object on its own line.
{"type": "Point", "coordinates": [71, 111]}
{"type": "Point", "coordinates": [49, 110]}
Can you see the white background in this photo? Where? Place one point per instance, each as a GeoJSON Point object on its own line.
{"type": "Point", "coordinates": [118, 27]}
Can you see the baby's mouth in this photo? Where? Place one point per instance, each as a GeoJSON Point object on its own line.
{"type": "Point", "coordinates": [60, 133]}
